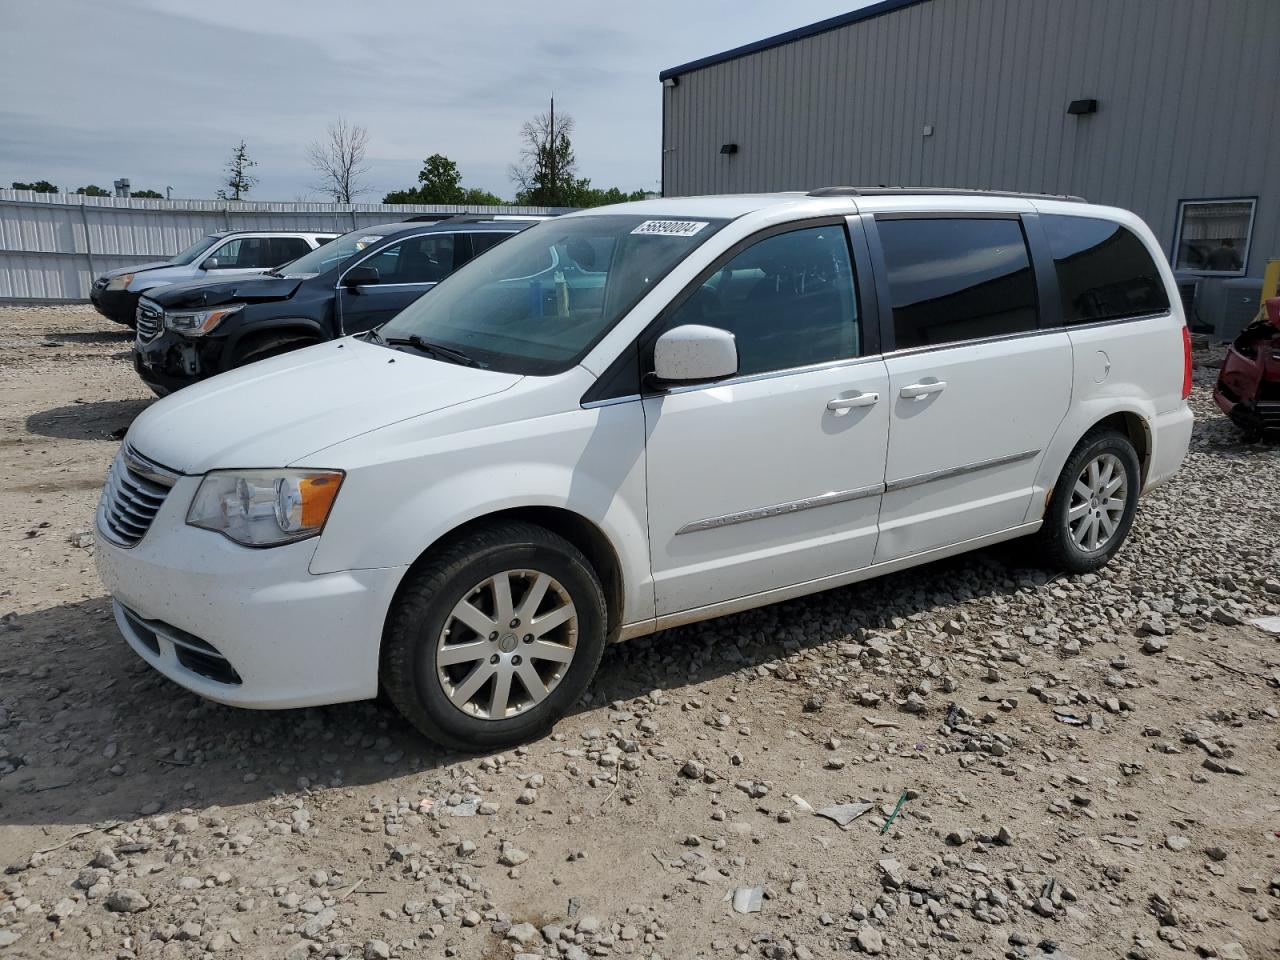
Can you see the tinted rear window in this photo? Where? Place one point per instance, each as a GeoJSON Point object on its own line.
{"type": "Point", "coordinates": [1104, 270]}
{"type": "Point", "coordinates": [955, 279]}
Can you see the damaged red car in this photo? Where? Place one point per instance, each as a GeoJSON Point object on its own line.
{"type": "Point", "coordinates": [1248, 389]}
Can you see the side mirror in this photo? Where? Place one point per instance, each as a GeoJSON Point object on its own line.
{"type": "Point", "coordinates": [360, 276]}
{"type": "Point", "coordinates": [694, 354]}
{"type": "Point", "coordinates": [210, 264]}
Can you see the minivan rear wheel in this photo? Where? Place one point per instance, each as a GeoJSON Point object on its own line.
{"type": "Point", "coordinates": [494, 637]}
{"type": "Point", "coordinates": [1093, 503]}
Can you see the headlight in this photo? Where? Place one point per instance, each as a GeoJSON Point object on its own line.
{"type": "Point", "coordinates": [121, 282]}
{"type": "Point", "coordinates": [196, 323]}
{"type": "Point", "coordinates": [265, 508]}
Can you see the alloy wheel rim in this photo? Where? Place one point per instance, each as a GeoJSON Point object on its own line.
{"type": "Point", "coordinates": [1098, 500]}
{"type": "Point", "coordinates": [507, 644]}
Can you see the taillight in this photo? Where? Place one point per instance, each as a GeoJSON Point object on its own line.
{"type": "Point", "coordinates": [1186, 363]}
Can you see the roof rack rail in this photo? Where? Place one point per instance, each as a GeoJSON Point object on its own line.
{"type": "Point", "coordinates": [883, 191]}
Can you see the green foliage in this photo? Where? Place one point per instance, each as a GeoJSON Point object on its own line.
{"type": "Point", "coordinates": [147, 194]}
{"type": "Point", "coordinates": [588, 196]}
{"type": "Point", "coordinates": [39, 186]}
{"type": "Point", "coordinates": [440, 181]}
{"type": "Point", "coordinates": [93, 190]}
{"type": "Point", "coordinates": [239, 181]}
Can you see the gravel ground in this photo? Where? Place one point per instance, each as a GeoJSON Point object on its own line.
{"type": "Point", "coordinates": [1080, 767]}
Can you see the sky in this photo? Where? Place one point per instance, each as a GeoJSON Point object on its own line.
{"type": "Point", "coordinates": [160, 92]}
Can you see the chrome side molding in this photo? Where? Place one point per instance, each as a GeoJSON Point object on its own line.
{"type": "Point", "coordinates": [778, 509]}
{"type": "Point", "coordinates": [949, 472]}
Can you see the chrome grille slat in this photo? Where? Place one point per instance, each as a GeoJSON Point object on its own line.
{"type": "Point", "coordinates": [136, 489]}
{"type": "Point", "coordinates": [149, 320]}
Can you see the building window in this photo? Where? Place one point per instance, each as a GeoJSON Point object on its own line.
{"type": "Point", "coordinates": [1213, 236]}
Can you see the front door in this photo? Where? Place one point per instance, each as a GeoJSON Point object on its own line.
{"type": "Point", "coordinates": [976, 390]}
{"type": "Point", "coordinates": [406, 270]}
{"type": "Point", "coordinates": [773, 477]}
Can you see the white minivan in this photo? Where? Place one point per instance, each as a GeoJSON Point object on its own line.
{"type": "Point", "coordinates": [641, 416]}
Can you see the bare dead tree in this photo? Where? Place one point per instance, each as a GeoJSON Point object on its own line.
{"type": "Point", "coordinates": [339, 161]}
{"type": "Point", "coordinates": [547, 170]}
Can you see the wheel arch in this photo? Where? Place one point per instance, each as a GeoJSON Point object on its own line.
{"type": "Point", "coordinates": [574, 527]}
{"type": "Point", "coordinates": [300, 327]}
{"type": "Point", "coordinates": [1132, 425]}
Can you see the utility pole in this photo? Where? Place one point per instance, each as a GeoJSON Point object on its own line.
{"type": "Point", "coordinates": [553, 148]}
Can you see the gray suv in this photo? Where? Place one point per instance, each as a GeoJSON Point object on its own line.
{"type": "Point", "coordinates": [221, 256]}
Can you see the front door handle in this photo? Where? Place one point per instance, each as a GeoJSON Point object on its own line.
{"type": "Point", "coordinates": [840, 404]}
{"type": "Point", "coordinates": [917, 391]}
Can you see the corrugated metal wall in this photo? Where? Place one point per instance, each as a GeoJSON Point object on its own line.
{"type": "Point", "coordinates": [53, 245]}
{"type": "Point", "coordinates": [1188, 91]}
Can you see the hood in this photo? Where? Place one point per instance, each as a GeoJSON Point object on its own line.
{"type": "Point", "coordinates": [213, 293]}
{"type": "Point", "coordinates": [277, 411]}
{"type": "Point", "coordinates": [140, 268]}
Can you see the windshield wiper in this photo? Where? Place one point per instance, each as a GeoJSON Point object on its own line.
{"type": "Point", "coordinates": [431, 349]}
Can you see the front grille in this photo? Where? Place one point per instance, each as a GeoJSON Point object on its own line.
{"type": "Point", "coordinates": [135, 490]}
{"type": "Point", "coordinates": [150, 320]}
{"type": "Point", "coordinates": [1269, 414]}
{"type": "Point", "coordinates": [198, 656]}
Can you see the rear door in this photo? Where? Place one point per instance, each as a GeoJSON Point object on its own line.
{"type": "Point", "coordinates": [976, 388]}
{"type": "Point", "coordinates": [407, 269]}
{"type": "Point", "coordinates": [773, 477]}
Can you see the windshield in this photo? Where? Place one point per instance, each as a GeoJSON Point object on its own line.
{"type": "Point", "coordinates": [329, 255]}
{"type": "Point", "coordinates": [188, 255]}
{"type": "Point", "coordinates": [538, 302]}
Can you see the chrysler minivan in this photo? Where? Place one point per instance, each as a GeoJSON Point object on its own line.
{"type": "Point", "coordinates": [640, 416]}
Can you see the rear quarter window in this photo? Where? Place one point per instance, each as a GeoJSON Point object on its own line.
{"type": "Point", "coordinates": [1104, 271]}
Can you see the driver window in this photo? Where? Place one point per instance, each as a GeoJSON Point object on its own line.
{"type": "Point", "coordinates": [789, 300]}
{"type": "Point", "coordinates": [427, 259]}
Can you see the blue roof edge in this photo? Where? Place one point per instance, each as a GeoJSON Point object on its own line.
{"type": "Point", "coordinates": [799, 33]}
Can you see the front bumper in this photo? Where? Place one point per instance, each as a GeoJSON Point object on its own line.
{"type": "Point", "coordinates": [120, 306]}
{"type": "Point", "coordinates": [171, 361]}
{"type": "Point", "coordinates": [206, 612]}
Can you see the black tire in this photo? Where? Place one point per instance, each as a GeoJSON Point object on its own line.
{"type": "Point", "coordinates": [257, 350]}
{"type": "Point", "coordinates": [426, 599]}
{"type": "Point", "coordinates": [1058, 548]}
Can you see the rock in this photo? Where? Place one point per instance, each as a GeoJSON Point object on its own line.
{"type": "Point", "coordinates": [693, 769]}
{"type": "Point", "coordinates": [845, 813]}
{"type": "Point", "coordinates": [8, 938]}
{"type": "Point", "coordinates": [376, 950]}
{"type": "Point", "coordinates": [127, 901]}
{"type": "Point", "coordinates": [1177, 844]}
{"type": "Point", "coordinates": [869, 940]}
{"type": "Point", "coordinates": [748, 899]}
{"type": "Point", "coordinates": [512, 856]}
{"type": "Point", "coordinates": [523, 934]}
{"type": "Point", "coordinates": [62, 909]}
{"type": "Point", "coordinates": [1155, 645]}
{"type": "Point", "coordinates": [316, 926]}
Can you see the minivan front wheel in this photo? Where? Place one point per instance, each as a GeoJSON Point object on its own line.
{"type": "Point", "coordinates": [1093, 503]}
{"type": "Point", "coordinates": [494, 637]}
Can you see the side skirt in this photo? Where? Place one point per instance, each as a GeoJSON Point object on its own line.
{"type": "Point", "coordinates": [764, 598]}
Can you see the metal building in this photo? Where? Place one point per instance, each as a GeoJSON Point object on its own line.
{"type": "Point", "coordinates": [1170, 108]}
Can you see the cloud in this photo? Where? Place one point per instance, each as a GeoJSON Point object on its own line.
{"type": "Point", "coordinates": [161, 93]}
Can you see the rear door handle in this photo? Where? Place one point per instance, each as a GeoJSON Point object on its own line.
{"type": "Point", "coordinates": [915, 391]}
{"type": "Point", "coordinates": [839, 404]}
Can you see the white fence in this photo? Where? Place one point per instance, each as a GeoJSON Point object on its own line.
{"type": "Point", "coordinates": [52, 245]}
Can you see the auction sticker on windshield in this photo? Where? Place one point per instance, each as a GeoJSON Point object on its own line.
{"type": "Point", "coordinates": [670, 228]}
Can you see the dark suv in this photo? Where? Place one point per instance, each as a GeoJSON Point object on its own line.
{"type": "Point", "coordinates": [190, 331]}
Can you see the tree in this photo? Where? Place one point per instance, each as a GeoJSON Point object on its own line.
{"type": "Point", "coordinates": [589, 196]}
{"type": "Point", "coordinates": [440, 181]}
{"type": "Point", "coordinates": [93, 190]}
{"type": "Point", "coordinates": [239, 180]}
{"type": "Point", "coordinates": [147, 194]}
{"type": "Point", "coordinates": [339, 161]}
{"type": "Point", "coordinates": [546, 174]}
{"type": "Point", "coordinates": [40, 186]}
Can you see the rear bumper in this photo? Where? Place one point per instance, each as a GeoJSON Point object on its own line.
{"type": "Point", "coordinates": [244, 627]}
{"type": "Point", "coordinates": [1170, 439]}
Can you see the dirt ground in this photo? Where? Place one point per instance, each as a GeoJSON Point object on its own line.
{"type": "Point", "coordinates": [1090, 766]}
